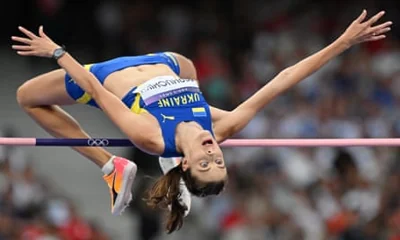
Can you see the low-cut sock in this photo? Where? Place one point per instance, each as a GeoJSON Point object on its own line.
{"type": "Point", "coordinates": [108, 168]}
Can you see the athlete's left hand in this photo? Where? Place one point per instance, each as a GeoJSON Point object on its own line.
{"type": "Point", "coordinates": [40, 46]}
{"type": "Point", "coordinates": [362, 30]}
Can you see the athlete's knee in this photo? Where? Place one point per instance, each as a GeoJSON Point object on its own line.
{"type": "Point", "coordinates": [187, 67]}
{"type": "Point", "coordinates": [23, 95]}
{"type": "Point", "coordinates": [182, 58]}
{"type": "Point", "coordinates": [27, 95]}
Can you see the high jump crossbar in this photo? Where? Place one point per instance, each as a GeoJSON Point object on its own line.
{"type": "Point", "coordinates": [115, 142]}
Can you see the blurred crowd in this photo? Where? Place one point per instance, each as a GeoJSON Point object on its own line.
{"type": "Point", "coordinates": [31, 208]}
{"type": "Point", "coordinates": [289, 193]}
{"type": "Point", "coordinates": [273, 193]}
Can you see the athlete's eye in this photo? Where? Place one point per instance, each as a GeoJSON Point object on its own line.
{"type": "Point", "coordinates": [219, 161]}
{"type": "Point", "coordinates": [204, 164]}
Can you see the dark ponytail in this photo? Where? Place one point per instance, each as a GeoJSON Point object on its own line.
{"type": "Point", "coordinates": [164, 192]}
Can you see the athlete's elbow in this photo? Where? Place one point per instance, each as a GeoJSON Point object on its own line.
{"type": "Point", "coordinates": [146, 141]}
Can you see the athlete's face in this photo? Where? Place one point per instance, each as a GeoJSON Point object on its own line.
{"type": "Point", "coordinates": [205, 159]}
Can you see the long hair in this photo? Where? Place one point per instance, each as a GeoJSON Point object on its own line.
{"type": "Point", "coordinates": [165, 192]}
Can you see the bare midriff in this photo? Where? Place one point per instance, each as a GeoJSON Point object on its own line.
{"type": "Point", "coordinates": [121, 82]}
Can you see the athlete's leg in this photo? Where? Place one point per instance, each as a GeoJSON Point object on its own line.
{"type": "Point", "coordinates": [40, 97]}
{"type": "Point", "coordinates": [187, 69]}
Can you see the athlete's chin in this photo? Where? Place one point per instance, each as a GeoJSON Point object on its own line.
{"type": "Point", "coordinates": [205, 134]}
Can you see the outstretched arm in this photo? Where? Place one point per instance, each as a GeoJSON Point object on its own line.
{"type": "Point", "coordinates": [359, 31]}
{"type": "Point", "coordinates": [125, 120]}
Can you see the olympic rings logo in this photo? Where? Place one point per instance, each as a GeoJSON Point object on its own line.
{"type": "Point", "coordinates": [97, 142]}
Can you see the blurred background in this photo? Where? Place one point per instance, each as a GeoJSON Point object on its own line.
{"type": "Point", "coordinates": [237, 46]}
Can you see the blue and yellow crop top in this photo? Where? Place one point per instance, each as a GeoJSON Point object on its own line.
{"type": "Point", "coordinates": [171, 101]}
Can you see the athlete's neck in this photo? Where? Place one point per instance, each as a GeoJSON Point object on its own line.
{"type": "Point", "coordinates": [184, 135]}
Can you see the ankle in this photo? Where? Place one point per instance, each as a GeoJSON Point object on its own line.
{"type": "Point", "coordinates": [108, 167]}
{"type": "Point", "coordinates": [103, 157]}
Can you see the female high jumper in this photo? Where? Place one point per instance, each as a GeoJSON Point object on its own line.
{"type": "Point", "coordinates": [156, 102]}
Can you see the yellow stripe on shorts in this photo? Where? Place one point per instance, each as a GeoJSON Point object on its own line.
{"type": "Point", "coordinates": [85, 98]}
{"type": "Point", "coordinates": [136, 105]}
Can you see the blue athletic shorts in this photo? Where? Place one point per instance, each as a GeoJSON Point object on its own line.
{"type": "Point", "coordinates": [103, 69]}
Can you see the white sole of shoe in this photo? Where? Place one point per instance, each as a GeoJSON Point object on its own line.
{"type": "Point", "coordinates": [125, 195]}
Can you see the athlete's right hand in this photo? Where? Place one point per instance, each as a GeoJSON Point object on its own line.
{"type": "Point", "coordinates": [33, 45]}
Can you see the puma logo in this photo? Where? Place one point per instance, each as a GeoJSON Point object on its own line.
{"type": "Point", "coordinates": [167, 117]}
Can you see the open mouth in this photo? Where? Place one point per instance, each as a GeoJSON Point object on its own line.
{"type": "Point", "coordinates": [207, 142]}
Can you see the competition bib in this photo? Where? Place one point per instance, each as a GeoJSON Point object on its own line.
{"type": "Point", "coordinates": [165, 86]}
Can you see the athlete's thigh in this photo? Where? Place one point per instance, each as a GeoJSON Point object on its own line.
{"type": "Point", "coordinates": [45, 89]}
